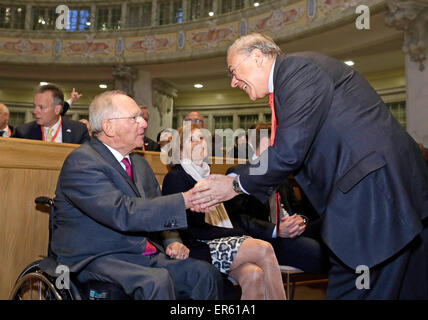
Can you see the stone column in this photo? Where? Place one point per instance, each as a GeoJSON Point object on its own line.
{"type": "Point", "coordinates": [28, 14]}
{"type": "Point", "coordinates": [235, 123]}
{"type": "Point", "coordinates": [143, 96]}
{"type": "Point", "coordinates": [215, 7]}
{"type": "Point", "coordinates": [123, 13]}
{"type": "Point", "coordinates": [180, 118]}
{"type": "Point", "coordinates": [29, 115]}
{"type": "Point", "coordinates": [124, 77]}
{"type": "Point", "coordinates": [155, 11]}
{"type": "Point", "coordinates": [93, 18]}
{"type": "Point", "coordinates": [185, 10]}
{"type": "Point", "coordinates": [163, 97]}
{"type": "Point", "coordinates": [412, 18]}
{"type": "Point", "coordinates": [210, 124]}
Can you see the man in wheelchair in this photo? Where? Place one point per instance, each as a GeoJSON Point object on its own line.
{"type": "Point", "coordinates": [109, 218]}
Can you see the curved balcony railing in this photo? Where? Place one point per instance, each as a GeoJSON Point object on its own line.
{"type": "Point", "coordinates": [151, 31]}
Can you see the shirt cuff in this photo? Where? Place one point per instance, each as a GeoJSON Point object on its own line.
{"type": "Point", "coordinates": [274, 232]}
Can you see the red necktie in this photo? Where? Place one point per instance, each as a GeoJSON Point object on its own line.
{"type": "Point", "coordinates": [128, 168]}
{"type": "Point", "coordinates": [150, 249]}
{"type": "Point", "coordinates": [274, 125]}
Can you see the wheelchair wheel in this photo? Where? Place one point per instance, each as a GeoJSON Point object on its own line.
{"type": "Point", "coordinates": [35, 284]}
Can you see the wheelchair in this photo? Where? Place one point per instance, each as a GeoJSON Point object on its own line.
{"type": "Point", "coordinates": [42, 279]}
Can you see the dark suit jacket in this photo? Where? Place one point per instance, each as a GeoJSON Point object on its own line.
{"type": "Point", "coordinates": [12, 130]}
{"type": "Point", "coordinates": [72, 131]}
{"type": "Point", "coordinates": [151, 145]}
{"type": "Point", "coordinates": [360, 169]}
{"type": "Point", "coordinates": [177, 180]}
{"type": "Point", "coordinates": [100, 211]}
{"type": "Point", "coordinates": [256, 209]}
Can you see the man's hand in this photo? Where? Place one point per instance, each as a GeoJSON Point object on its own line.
{"type": "Point", "coordinates": [188, 198]}
{"type": "Point", "coordinates": [291, 226]}
{"type": "Point", "coordinates": [211, 192]}
{"type": "Point", "coordinates": [177, 250]}
{"type": "Point", "coordinates": [74, 96]}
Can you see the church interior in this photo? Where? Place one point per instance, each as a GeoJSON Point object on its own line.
{"type": "Point", "coordinates": [170, 56]}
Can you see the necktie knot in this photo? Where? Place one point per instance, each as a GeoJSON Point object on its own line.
{"type": "Point", "coordinates": [128, 168]}
{"type": "Point", "coordinates": [49, 135]}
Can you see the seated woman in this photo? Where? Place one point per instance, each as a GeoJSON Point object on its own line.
{"type": "Point", "coordinates": [249, 261]}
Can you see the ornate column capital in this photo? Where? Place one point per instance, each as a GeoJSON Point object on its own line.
{"type": "Point", "coordinates": [411, 17]}
{"type": "Point", "coordinates": [124, 77]}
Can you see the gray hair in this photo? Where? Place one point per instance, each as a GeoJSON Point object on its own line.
{"type": "Point", "coordinates": [256, 41]}
{"type": "Point", "coordinates": [102, 108]}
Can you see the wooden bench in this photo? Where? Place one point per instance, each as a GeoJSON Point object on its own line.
{"type": "Point", "coordinates": [30, 168]}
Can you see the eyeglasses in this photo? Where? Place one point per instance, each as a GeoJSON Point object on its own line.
{"type": "Point", "coordinates": [231, 72]}
{"type": "Point", "coordinates": [136, 119]}
{"type": "Point", "coordinates": [196, 121]}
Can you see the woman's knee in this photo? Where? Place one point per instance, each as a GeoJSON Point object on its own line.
{"type": "Point", "coordinates": [249, 274]}
{"type": "Point", "coordinates": [264, 248]}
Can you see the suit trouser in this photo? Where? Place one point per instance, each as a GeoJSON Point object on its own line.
{"type": "Point", "coordinates": [156, 277]}
{"type": "Point", "coordinates": [403, 276]}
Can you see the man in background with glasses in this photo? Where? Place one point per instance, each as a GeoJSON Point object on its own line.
{"type": "Point", "coordinates": [110, 221]}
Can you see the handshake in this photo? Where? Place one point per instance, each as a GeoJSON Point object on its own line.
{"type": "Point", "coordinates": [207, 194]}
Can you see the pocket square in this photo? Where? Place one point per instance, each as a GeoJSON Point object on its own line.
{"type": "Point", "coordinates": [68, 130]}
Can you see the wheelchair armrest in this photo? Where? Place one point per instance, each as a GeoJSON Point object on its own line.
{"type": "Point", "coordinates": [44, 200]}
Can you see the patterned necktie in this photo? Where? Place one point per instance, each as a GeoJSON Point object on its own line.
{"type": "Point", "coordinates": [274, 125]}
{"type": "Point", "coordinates": [49, 135]}
{"type": "Point", "coordinates": [128, 168]}
{"type": "Point", "coordinates": [150, 249]}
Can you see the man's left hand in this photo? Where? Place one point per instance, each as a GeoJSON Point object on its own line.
{"type": "Point", "coordinates": [291, 226]}
{"type": "Point", "coordinates": [177, 250]}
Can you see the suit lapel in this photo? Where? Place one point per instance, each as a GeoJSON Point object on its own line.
{"type": "Point", "coordinates": [138, 178]}
{"type": "Point", "coordinates": [66, 131]}
{"type": "Point", "coordinates": [36, 132]}
{"type": "Point", "coordinates": [108, 156]}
